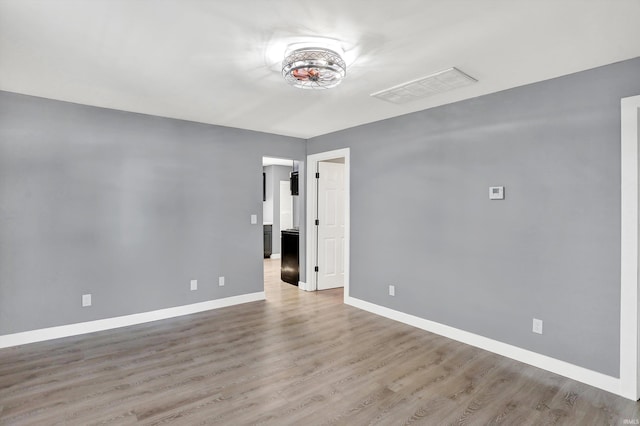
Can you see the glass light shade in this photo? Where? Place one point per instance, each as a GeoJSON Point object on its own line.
{"type": "Point", "coordinates": [313, 68]}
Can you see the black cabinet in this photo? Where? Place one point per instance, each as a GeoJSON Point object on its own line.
{"type": "Point", "coordinates": [289, 271]}
{"type": "Point", "coordinates": [267, 240]}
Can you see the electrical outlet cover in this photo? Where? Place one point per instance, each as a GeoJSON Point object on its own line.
{"type": "Point", "coordinates": [537, 326]}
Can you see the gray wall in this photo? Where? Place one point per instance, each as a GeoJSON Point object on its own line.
{"type": "Point", "coordinates": [421, 218]}
{"type": "Point", "coordinates": [125, 206]}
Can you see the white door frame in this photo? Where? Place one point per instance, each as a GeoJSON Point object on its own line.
{"type": "Point", "coordinates": [311, 283]}
{"type": "Point", "coordinates": [629, 294]}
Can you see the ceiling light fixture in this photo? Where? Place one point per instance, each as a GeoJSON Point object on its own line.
{"type": "Point", "coordinates": [313, 67]}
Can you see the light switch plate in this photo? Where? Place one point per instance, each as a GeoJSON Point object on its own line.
{"type": "Point", "coordinates": [496, 192]}
{"type": "Point", "coordinates": [86, 300]}
{"type": "Point", "coordinates": [254, 219]}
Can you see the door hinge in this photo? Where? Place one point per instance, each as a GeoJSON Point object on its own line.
{"type": "Point", "coordinates": [317, 222]}
{"type": "Point", "coordinates": [317, 175]}
{"type": "Point", "coordinates": [315, 269]}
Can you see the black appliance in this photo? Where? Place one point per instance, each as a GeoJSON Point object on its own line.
{"type": "Point", "coordinates": [267, 240]}
{"type": "Point", "coordinates": [289, 270]}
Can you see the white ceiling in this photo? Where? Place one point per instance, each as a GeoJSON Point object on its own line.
{"type": "Point", "coordinates": [218, 61]}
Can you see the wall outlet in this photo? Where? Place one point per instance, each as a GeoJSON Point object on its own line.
{"type": "Point", "coordinates": [86, 300]}
{"type": "Point", "coordinates": [194, 285]}
{"type": "Point", "coordinates": [221, 281]}
{"type": "Point", "coordinates": [537, 326]}
{"type": "Point", "coordinates": [392, 290]}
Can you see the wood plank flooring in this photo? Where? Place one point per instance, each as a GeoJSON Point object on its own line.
{"type": "Point", "coordinates": [297, 359]}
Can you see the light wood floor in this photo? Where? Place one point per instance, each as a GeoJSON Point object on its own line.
{"type": "Point", "coordinates": [297, 359]}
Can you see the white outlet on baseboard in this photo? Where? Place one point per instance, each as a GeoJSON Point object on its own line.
{"type": "Point", "coordinates": [392, 290]}
{"type": "Point", "coordinates": [86, 300]}
{"type": "Point", "coordinates": [221, 281]}
{"type": "Point", "coordinates": [194, 285]}
{"type": "Point", "coordinates": [537, 326]}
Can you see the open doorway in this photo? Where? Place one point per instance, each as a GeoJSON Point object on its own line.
{"type": "Point", "coordinates": [282, 212]}
{"type": "Point", "coordinates": [328, 215]}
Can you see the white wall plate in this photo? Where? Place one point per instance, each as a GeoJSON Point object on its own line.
{"type": "Point", "coordinates": [496, 192]}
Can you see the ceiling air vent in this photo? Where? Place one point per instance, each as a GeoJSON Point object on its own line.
{"type": "Point", "coordinates": [430, 85]}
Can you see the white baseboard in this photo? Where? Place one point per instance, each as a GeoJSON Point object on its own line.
{"type": "Point", "coordinates": [276, 255]}
{"type": "Point", "coordinates": [43, 334]}
{"type": "Point", "coordinates": [581, 374]}
{"type": "Point", "coordinates": [302, 285]}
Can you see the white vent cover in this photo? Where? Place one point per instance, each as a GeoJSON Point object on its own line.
{"type": "Point", "coordinates": [433, 84]}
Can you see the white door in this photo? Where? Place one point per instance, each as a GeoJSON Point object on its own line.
{"type": "Point", "coordinates": [331, 225]}
{"type": "Point", "coordinates": [286, 206]}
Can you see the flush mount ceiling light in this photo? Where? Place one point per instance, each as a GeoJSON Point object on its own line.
{"type": "Point", "coordinates": [313, 67]}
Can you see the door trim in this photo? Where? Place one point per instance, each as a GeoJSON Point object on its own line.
{"type": "Point", "coordinates": [312, 205]}
{"type": "Point", "coordinates": [629, 294]}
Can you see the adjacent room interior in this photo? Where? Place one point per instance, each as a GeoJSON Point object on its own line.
{"type": "Point", "coordinates": [281, 217]}
{"type": "Point", "coordinates": [338, 213]}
